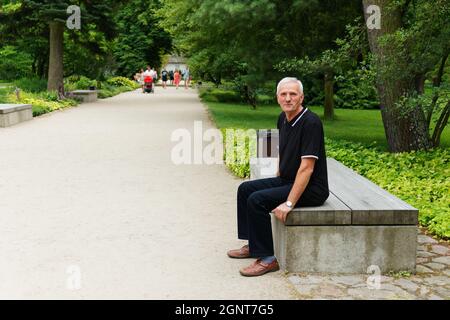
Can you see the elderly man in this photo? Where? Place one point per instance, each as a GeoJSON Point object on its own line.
{"type": "Point", "coordinates": [301, 180]}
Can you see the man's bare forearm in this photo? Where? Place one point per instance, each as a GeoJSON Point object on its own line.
{"type": "Point", "coordinates": [301, 181]}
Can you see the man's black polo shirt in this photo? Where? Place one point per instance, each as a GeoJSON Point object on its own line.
{"type": "Point", "coordinates": [302, 137]}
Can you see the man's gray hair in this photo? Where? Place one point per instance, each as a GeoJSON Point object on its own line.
{"type": "Point", "coordinates": [289, 80]}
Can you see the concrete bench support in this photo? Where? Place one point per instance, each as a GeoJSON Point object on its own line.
{"type": "Point", "coordinates": [11, 114]}
{"type": "Point", "coordinates": [360, 225]}
{"type": "Point", "coordinates": [345, 249]}
{"type": "Point", "coordinates": [86, 95]}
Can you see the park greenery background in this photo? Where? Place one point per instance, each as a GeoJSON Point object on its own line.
{"type": "Point", "coordinates": [383, 93]}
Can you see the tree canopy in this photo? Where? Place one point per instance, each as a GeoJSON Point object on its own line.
{"type": "Point", "coordinates": [115, 37]}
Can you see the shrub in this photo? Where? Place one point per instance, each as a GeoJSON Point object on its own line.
{"type": "Point", "coordinates": [356, 90]}
{"type": "Point", "coordinates": [266, 99]}
{"type": "Point", "coordinates": [110, 91]}
{"type": "Point", "coordinates": [419, 178]}
{"type": "Point", "coordinates": [84, 83]}
{"type": "Point", "coordinates": [31, 84]}
{"type": "Point", "coordinates": [40, 102]}
{"type": "Point", "coordinates": [4, 94]}
{"type": "Point", "coordinates": [220, 95]}
{"type": "Point", "coordinates": [14, 63]}
{"type": "Point", "coordinates": [121, 82]}
{"type": "Point", "coordinates": [72, 79]}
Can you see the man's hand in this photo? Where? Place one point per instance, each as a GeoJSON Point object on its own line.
{"type": "Point", "coordinates": [281, 212]}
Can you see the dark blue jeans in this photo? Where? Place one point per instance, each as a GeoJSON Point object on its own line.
{"type": "Point", "coordinates": [256, 199]}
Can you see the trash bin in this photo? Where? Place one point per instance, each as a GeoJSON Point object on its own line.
{"type": "Point", "coordinates": [268, 141]}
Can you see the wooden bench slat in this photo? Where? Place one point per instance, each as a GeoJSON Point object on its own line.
{"type": "Point", "coordinates": [369, 203]}
{"type": "Point", "coordinates": [332, 212]}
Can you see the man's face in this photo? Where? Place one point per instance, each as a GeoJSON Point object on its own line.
{"type": "Point", "coordinates": [289, 97]}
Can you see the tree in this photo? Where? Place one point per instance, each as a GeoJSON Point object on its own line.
{"type": "Point", "coordinates": [413, 40]}
{"type": "Point", "coordinates": [27, 36]}
{"type": "Point", "coordinates": [255, 35]}
{"type": "Point", "coordinates": [141, 40]}
{"type": "Point", "coordinates": [331, 62]}
{"type": "Point", "coordinates": [52, 15]}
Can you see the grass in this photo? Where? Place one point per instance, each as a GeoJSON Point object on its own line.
{"type": "Point", "coordinates": [363, 126]}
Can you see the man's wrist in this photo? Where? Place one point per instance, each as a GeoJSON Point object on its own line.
{"type": "Point", "coordinates": [289, 204]}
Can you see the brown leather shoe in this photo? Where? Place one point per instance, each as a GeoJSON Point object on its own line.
{"type": "Point", "coordinates": [241, 253]}
{"type": "Point", "coordinates": [258, 268]}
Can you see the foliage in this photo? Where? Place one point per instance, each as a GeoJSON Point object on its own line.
{"type": "Point", "coordinates": [4, 93]}
{"type": "Point", "coordinates": [31, 84]}
{"type": "Point", "coordinates": [79, 83]}
{"type": "Point", "coordinates": [14, 63]}
{"type": "Point", "coordinates": [108, 91]}
{"type": "Point", "coordinates": [27, 26]}
{"type": "Point", "coordinates": [241, 42]}
{"type": "Point", "coordinates": [265, 99]}
{"type": "Point", "coordinates": [238, 145]}
{"type": "Point", "coordinates": [121, 82]}
{"type": "Point", "coordinates": [337, 64]}
{"type": "Point", "coordinates": [88, 54]}
{"type": "Point", "coordinates": [356, 90]}
{"type": "Point", "coordinates": [219, 95]}
{"type": "Point", "coordinates": [231, 94]}
{"type": "Point", "coordinates": [412, 44]}
{"type": "Point", "coordinates": [42, 102]}
{"type": "Point", "coordinates": [420, 178]}
{"type": "Point", "coordinates": [141, 39]}
{"type": "Point", "coordinates": [399, 274]}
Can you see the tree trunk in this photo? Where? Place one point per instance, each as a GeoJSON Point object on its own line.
{"type": "Point", "coordinates": [250, 96]}
{"type": "Point", "coordinates": [55, 68]}
{"type": "Point", "coordinates": [42, 68]}
{"type": "Point", "coordinates": [329, 96]}
{"type": "Point", "coordinates": [33, 66]}
{"type": "Point", "coordinates": [405, 128]}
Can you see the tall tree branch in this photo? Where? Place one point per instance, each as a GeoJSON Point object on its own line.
{"type": "Point", "coordinates": [437, 83]}
{"type": "Point", "coordinates": [440, 125]}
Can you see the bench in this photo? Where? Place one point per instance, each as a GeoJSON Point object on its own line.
{"type": "Point", "coordinates": [86, 95]}
{"type": "Point", "coordinates": [359, 226]}
{"type": "Point", "coordinates": [11, 114]}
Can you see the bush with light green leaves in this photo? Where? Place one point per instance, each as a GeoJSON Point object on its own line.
{"type": "Point", "coordinates": [43, 102]}
{"type": "Point", "coordinates": [122, 82]}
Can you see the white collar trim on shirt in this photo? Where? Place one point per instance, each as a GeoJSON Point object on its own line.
{"type": "Point", "coordinates": [299, 117]}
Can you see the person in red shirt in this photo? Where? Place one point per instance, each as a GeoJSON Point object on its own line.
{"type": "Point", "coordinates": [177, 78]}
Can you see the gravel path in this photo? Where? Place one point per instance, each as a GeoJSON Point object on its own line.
{"type": "Point", "coordinates": [93, 207]}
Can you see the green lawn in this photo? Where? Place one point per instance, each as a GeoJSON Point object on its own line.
{"type": "Point", "coordinates": [364, 126]}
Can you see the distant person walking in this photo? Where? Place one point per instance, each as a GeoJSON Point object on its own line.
{"type": "Point", "coordinates": [137, 76]}
{"type": "Point", "coordinates": [186, 78]}
{"type": "Point", "coordinates": [177, 78]}
{"type": "Point", "coordinates": [164, 77]}
{"type": "Point", "coordinates": [141, 79]}
{"type": "Point", "coordinates": [154, 75]}
{"type": "Point", "coordinates": [147, 74]}
{"type": "Point", "coordinates": [171, 77]}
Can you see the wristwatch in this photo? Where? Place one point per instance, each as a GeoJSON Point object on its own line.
{"type": "Point", "coordinates": [289, 204]}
